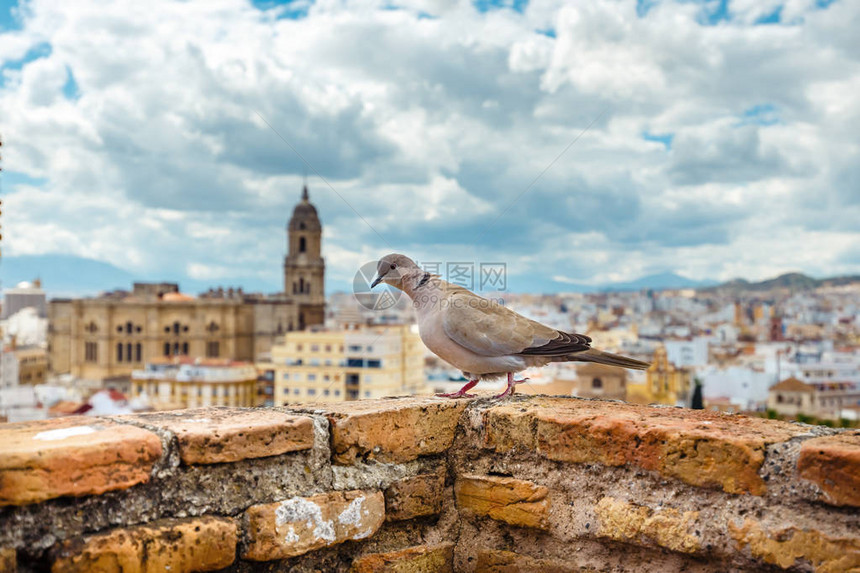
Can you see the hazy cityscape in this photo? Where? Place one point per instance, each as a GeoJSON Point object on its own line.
{"type": "Point", "coordinates": [786, 347]}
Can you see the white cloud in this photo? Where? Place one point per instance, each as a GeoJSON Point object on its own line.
{"type": "Point", "coordinates": [432, 121]}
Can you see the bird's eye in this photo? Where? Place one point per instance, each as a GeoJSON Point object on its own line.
{"type": "Point", "coordinates": [393, 266]}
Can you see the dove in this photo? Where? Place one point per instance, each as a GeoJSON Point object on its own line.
{"type": "Point", "coordinates": [481, 337]}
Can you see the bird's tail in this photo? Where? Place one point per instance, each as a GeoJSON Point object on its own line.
{"type": "Point", "coordinates": [600, 357]}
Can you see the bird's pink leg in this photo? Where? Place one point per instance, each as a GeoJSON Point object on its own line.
{"type": "Point", "coordinates": [509, 391]}
{"type": "Point", "coordinates": [461, 393]}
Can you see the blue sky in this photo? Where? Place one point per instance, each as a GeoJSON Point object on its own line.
{"type": "Point", "coordinates": [579, 142]}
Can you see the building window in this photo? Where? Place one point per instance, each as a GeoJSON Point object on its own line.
{"type": "Point", "coordinates": [328, 347]}
{"type": "Point", "coordinates": [315, 347]}
{"type": "Point", "coordinates": [185, 348]}
{"type": "Point", "coordinates": [327, 392]}
{"type": "Point", "coordinates": [312, 377]}
{"type": "Point", "coordinates": [129, 327]}
{"type": "Point", "coordinates": [355, 348]}
{"type": "Point", "coordinates": [374, 363]}
{"type": "Point", "coordinates": [167, 349]}
{"type": "Point", "coordinates": [91, 352]}
{"type": "Point", "coordinates": [119, 352]}
{"type": "Point", "coordinates": [312, 392]}
{"type": "Point", "coordinates": [367, 394]}
{"type": "Point", "coordinates": [175, 328]}
{"type": "Point", "coordinates": [286, 390]}
{"type": "Point", "coordinates": [296, 391]}
{"type": "Point", "coordinates": [212, 349]}
{"type": "Point", "coordinates": [128, 354]}
{"type": "Point", "coordinates": [138, 352]}
{"type": "Point", "coordinates": [303, 245]}
{"type": "Point", "coordinates": [596, 383]}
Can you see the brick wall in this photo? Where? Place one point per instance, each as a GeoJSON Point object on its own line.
{"type": "Point", "coordinates": [429, 484]}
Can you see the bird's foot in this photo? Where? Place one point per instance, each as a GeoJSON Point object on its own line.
{"type": "Point", "coordinates": [457, 394]}
{"type": "Point", "coordinates": [511, 389]}
{"type": "Point", "coordinates": [461, 393]}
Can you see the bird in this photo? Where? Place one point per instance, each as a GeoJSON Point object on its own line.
{"type": "Point", "coordinates": [481, 337]}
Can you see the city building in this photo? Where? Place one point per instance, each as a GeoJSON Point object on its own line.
{"type": "Point", "coordinates": [824, 400]}
{"type": "Point", "coordinates": [109, 336]}
{"type": "Point", "coordinates": [348, 364]}
{"type": "Point", "coordinates": [601, 381]}
{"type": "Point", "coordinates": [24, 295]}
{"type": "Point", "coordinates": [664, 383]}
{"type": "Point", "coordinates": [173, 383]}
{"type": "Point", "coordinates": [32, 364]}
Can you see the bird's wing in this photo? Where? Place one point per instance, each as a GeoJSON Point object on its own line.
{"type": "Point", "coordinates": [490, 329]}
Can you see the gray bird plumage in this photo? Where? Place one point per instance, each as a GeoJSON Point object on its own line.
{"type": "Point", "coordinates": [483, 338]}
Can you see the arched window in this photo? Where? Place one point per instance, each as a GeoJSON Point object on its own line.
{"type": "Point", "coordinates": [596, 383]}
{"type": "Point", "coordinates": [301, 285]}
{"type": "Point", "coordinates": [185, 348]}
{"type": "Point", "coordinates": [128, 355]}
{"type": "Point", "coordinates": [119, 352]}
{"type": "Point", "coordinates": [138, 352]}
{"type": "Point", "coordinates": [129, 327]}
{"type": "Point", "coordinates": [175, 328]}
{"type": "Point", "coordinates": [303, 244]}
{"type": "Point", "coordinates": [167, 349]}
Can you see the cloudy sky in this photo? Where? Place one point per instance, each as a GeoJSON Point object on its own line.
{"type": "Point", "coordinates": [714, 139]}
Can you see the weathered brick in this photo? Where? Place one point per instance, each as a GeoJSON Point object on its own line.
{"type": "Point", "coordinates": [514, 501]}
{"type": "Point", "coordinates": [833, 462]}
{"type": "Point", "coordinates": [701, 448]}
{"type": "Point", "coordinates": [495, 561]}
{"type": "Point", "coordinates": [72, 456]}
{"type": "Point", "coordinates": [415, 496]}
{"type": "Point", "coordinates": [175, 545]}
{"type": "Point", "coordinates": [785, 546]}
{"type": "Point", "coordinates": [301, 524]}
{"type": "Point", "coordinates": [391, 430]}
{"type": "Point", "coordinates": [218, 435]}
{"type": "Point", "coordinates": [666, 527]}
{"type": "Point", "coordinates": [8, 560]}
{"type": "Point", "coordinates": [420, 559]}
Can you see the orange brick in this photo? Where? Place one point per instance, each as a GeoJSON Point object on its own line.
{"type": "Point", "coordinates": [72, 456]}
{"type": "Point", "coordinates": [784, 547]}
{"type": "Point", "coordinates": [8, 560]}
{"type": "Point", "coordinates": [700, 448]}
{"type": "Point", "coordinates": [391, 430]}
{"type": "Point", "coordinates": [631, 523]}
{"type": "Point", "coordinates": [833, 462]}
{"type": "Point", "coordinates": [514, 501]}
{"type": "Point", "coordinates": [175, 545]}
{"type": "Point", "coordinates": [301, 524]}
{"type": "Point", "coordinates": [420, 559]}
{"type": "Point", "coordinates": [416, 496]}
{"type": "Point", "coordinates": [218, 435]}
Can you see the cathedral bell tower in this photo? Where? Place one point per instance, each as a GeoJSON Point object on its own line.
{"type": "Point", "coordinates": [304, 267]}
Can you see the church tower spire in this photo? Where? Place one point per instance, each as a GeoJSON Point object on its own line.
{"type": "Point", "coordinates": [304, 266]}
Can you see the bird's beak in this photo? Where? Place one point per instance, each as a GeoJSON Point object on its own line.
{"type": "Point", "coordinates": [375, 282]}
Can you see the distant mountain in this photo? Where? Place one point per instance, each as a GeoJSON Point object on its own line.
{"type": "Point", "coordinates": [64, 275]}
{"type": "Point", "coordinates": [657, 282]}
{"type": "Point", "coordinates": [790, 281]}
{"type": "Point", "coordinates": [73, 276]}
